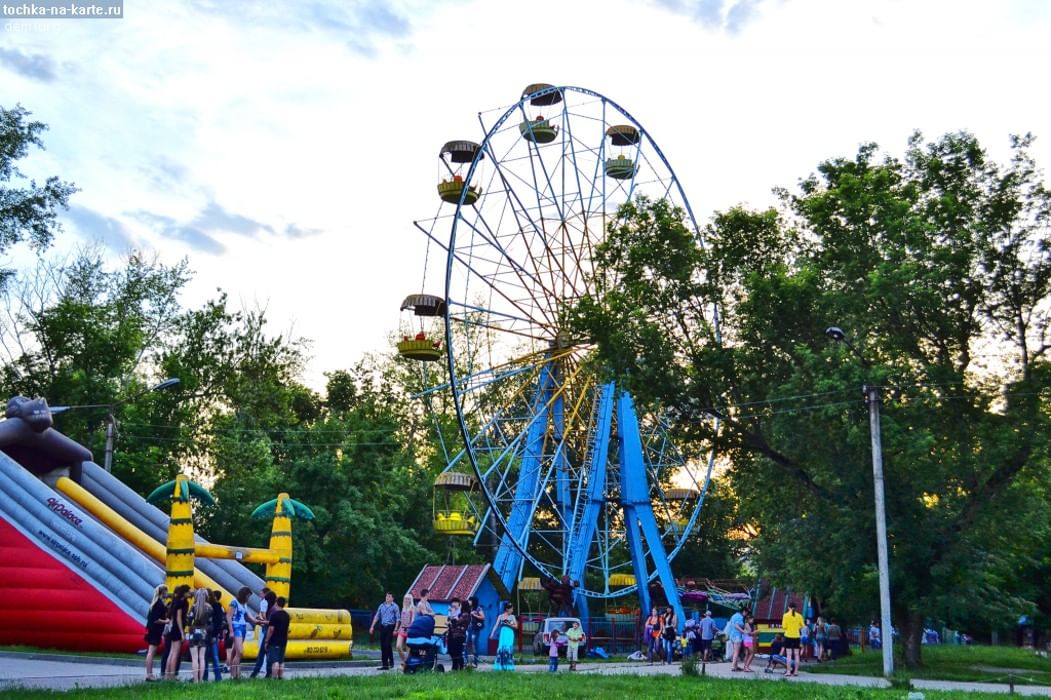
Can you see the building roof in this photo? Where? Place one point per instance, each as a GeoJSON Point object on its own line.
{"type": "Point", "coordinates": [448, 581]}
{"type": "Point", "coordinates": [773, 605]}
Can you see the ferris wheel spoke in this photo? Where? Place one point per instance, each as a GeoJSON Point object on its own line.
{"type": "Point", "coordinates": [530, 231]}
{"type": "Point", "coordinates": [494, 288]}
{"type": "Point", "coordinates": [527, 281]}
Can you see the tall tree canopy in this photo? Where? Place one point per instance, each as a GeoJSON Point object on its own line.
{"type": "Point", "coordinates": [28, 211]}
{"type": "Point", "coordinates": [937, 266]}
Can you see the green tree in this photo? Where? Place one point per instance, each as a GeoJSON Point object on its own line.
{"type": "Point", "coordinates": [77, 333]}
{"type": "Point", "coordinates": [716, 545]}
{"type": "Point", "coordinates": [27, 213]}
{"type": "Point", "coordinates": [938, 266]}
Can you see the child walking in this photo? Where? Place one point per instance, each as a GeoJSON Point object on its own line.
{"type": "Point", "coordinates": [552, 653]}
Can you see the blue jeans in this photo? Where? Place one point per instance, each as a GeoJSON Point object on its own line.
{"type": "Point", "coordinates": [212, 654]}
{"type": "Point", "coordinates": [667, 650]}
{"type": "Point", "coordinates": [552, 663]}
{"type": "Point", "coordinates": [260, 658]}
{"type": "Point", "coordinates": [472, 643]}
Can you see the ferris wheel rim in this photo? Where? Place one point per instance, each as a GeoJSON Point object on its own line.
{"type": "Point", "coordinates": [492, 502]}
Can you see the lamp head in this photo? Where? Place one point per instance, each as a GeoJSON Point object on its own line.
{"type": "Point", "coordinates": [836, 333]}
{"type": "Point", "coordinates": [166, 384]}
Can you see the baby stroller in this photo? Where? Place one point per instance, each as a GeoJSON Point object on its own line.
{"type": "Point", "coordinates": [424, 646]}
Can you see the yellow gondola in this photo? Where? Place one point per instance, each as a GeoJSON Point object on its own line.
{"type": "Point", "coordinates": [452, 511]}
{"type": "Point", "coordinates": [422, 346]}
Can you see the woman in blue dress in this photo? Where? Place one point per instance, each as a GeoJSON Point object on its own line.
{"type": "Point", "coordinates": [504, 631]}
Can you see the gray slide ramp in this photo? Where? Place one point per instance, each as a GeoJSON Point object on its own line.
{"type": "Point", "coordinates": [47, 517]}
{"type": "Point", "coordinates": [229, 574]}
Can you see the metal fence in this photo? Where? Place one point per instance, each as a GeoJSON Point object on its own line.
{"type": "Point", "coordinates": [616, 634]}
{"type": "Point", "coordinates": [360, 621]}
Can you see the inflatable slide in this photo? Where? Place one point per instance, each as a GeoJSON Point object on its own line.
{"type": "Point", "coordinates": [80, 552]}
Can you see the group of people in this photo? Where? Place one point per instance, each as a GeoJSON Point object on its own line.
{"type": "Point", "coordinates": [465, 621]}
{"type": "Point", "coordinates": [794, 643]}
{"type": "Point", "coordinates": [197, 621]}
{"type": "Point", "coordinates": [829, 642]}
{"type": "Point", "coordinates": [660, 633]}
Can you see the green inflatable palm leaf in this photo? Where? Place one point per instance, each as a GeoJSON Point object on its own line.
{"type": "Point", "coordinates": [292, 508]}
{"type": "Point", "coordinates": [188, 488]}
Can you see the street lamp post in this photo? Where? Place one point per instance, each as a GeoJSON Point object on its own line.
{"type": "Point", "coordinates": [111, 409]}
{"type": "Point", "coordinates": [872, 398]}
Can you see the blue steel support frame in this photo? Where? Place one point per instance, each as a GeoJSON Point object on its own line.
{"type": "Point", "coordinates": [638, 511]}
{"type": "Point", "coordinates": [508, 560]}
{"type": "Point", "coordinates": [562, 490]}
{"type": "Point", "coordinates": [638, 553]}
{"type": "Point", "coordinates": [580, 540]}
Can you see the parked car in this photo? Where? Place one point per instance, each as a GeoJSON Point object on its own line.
{"type": "Point", "coordinates": [542, 639]}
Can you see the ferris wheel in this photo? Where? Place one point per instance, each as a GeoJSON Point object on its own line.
{"type": "Point", "coordinates": [557, 467]}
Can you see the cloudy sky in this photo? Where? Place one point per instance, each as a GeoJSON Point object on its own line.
{"type": "Point", "coordinates": [286, 148]}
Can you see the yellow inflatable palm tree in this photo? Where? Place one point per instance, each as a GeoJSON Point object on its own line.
{"type": "Point", "coordinates": [179, 554]}
{"type": "Point", "coordinates": [283, 510]}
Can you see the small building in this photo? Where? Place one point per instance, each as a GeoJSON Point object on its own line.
{"type": "Point", "coordinates": [447, 581]}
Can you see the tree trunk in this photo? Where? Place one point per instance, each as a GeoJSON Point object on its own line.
{"type": "Point", "coordinates": [913, 639]}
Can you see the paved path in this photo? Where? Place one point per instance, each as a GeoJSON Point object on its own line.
{"type": "Point", "coordinates": [42, 671]}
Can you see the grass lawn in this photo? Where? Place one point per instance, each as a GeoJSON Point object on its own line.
{"type": "Point", "coordinates": [506, 686]}
{"type": "Point", "coordinates": [952, 663]}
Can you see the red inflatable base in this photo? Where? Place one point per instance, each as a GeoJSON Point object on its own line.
{"type": "Point", "coordinates": [45, 604]}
